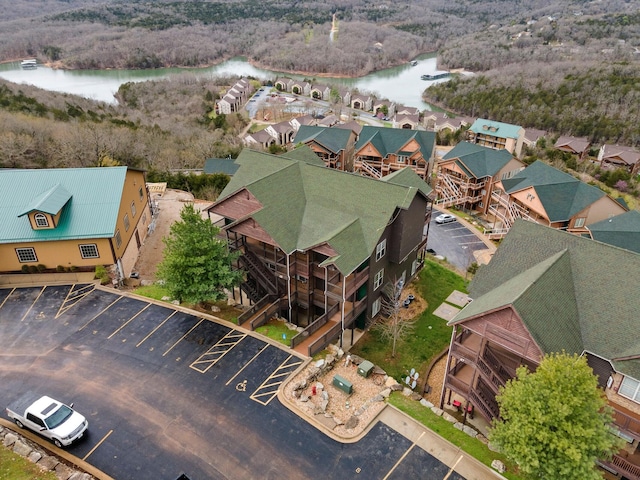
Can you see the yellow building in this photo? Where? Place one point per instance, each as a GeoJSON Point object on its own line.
{"type": "Point", "coordinates": [72, 218]}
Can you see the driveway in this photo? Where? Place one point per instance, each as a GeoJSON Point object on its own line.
{"type": "Point", "coordinates": [167, 392]}
{"type": "Point", "coordinates": [455, 241]}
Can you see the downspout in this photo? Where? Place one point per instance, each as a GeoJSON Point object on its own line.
{"type": "Point", "coordinates": [326, 289]}
{"type": "Point", "coordinates": [289, 285]}
{"type": "Point", "coordinates": [344, 291]}
{"type": "Point", "coordinates": [446, 370]}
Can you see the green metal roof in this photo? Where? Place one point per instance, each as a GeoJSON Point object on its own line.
{"type": "Point", "coordinates": [496, 129]}
{"type": "Point", "coordinates": [622, 231]}
{"type": "Point", "coordinates": [392, 140]}
{"type": "Point", "coordinates": [333, 139]}
{"type": "Point", "coordinates": [561, 195]}
{"type": "Point", "coordinates": [220, 165]}
{"type": "Point", "coordinates": [305, 205]}
{"type": "Point", "coordinates": [556, 282]}
{"type": "Point", "coordinates": [479, 161]}
{"type": "Point", "coordinates": [88, 197]}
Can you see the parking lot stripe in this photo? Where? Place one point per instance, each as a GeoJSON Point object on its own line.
{"type": "Point", "coordinates": [82, 292]}
{"type": "Point", "coordinates": [101, 312]}
{"type": "Point", "coordinates": [3, 302]}
{"type": "Point", "coordinates": [246, 364]}
{"type": "Point", "coordinates": [128, 321]}
{"type": "Point", "coordinates": [32, 304]}
{"type": "Point", "coordinates": [155, 329]}
{"type": "Point", "coordinates": [403, 457]}
{"type": "Point", "coordinates": [452, 468]}
{"type": "Point", "coordinates": [217, 351]}
{"type": "Point", "coordinates": [269, 384]}
{"type": "Point", "coordinates": [183, 337]}
{"type": "Point", "coordinates": [97, 445]}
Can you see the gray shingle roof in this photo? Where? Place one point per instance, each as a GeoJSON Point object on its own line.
{"type": "Point", "coordinates": [333, 139]}
{"type": "Point", "coordinates": [622, 231]}
{"type": "Point", "coordinates": [304, 205]}
{"type": "Point", "coordinates": [392, 140]}
{"type": "Point", "coordinates": [567, 290]}
{"type": "Point", "coordinates": [220, 165]}
{"type": "Point", "coordinates": [561, 195]}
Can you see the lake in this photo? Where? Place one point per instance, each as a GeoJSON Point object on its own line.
{"type": "Point", "coordinates": [400, 84]}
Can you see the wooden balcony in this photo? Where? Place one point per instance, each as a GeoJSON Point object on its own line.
{"type": "Point", "coordinates": [626, 420]}
{"type": "Point", "coordinates": [628, 467]}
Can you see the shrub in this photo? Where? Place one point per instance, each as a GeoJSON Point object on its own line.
{"type": "Point", "coordinates": [102, 275]}
{"type": "Point", "coordinates": [25, 268]}
{"type": "Point", "coordinates": [33, 269]}
{"type": "Point", "coordinates": [41, 268]}
{"type": "Point", "coordinates": [59, 269]}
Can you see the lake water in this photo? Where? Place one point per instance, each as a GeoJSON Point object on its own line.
{"type": "Point", "coordinates": [400, 84]}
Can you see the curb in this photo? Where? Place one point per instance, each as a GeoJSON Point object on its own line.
{"type": "Point", "coordinates": [58, 452]}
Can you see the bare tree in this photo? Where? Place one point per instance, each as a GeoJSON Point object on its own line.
{"type": "Point", "coordinates": [391, 325]}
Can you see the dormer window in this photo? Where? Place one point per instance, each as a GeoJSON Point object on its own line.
{"type": "Point", "coordinates": [41, 220]}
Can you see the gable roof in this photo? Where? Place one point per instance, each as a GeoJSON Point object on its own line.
{"type": "Point", "coordinates": [305, 205]}
{"type": "Point", "coordinates": [88, 197]}
{"type": "Point", "coordinates": [220, 165]}
{"type": "Point", "coordinates": [622, 231]}
{"type": "Point", "coordinates": [477, 160]}
{"type": "Point", "coordinates": [578, 145]}
{"type": "Point", "coordinates": [496, 129]}
{"type": "Point", "coordinates": [408, 178]}
{"type": "Point", "coordinates": [332, 139]}
{"type": "Point", "coordinates": [554, 279]}
{"type": "Point", "coordinates": [561, 195]}
{"type": "Point", "coordinates": [391, 140]}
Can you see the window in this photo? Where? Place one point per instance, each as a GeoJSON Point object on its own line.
{"type": "Point", "coordinates": [379, 278]}
{"type": "Point", "coordinates": [133, 209]}
{"type": "Point", "coordinates": [89, 250]}
{"type": "Point", "coordinates": [630, 388]}
{"type": "Point", "coordinates": [118, 239]}
{"type": "Point", "coordinates": [375, 308]}
{"type": "Point", "coordinates": [26, 255]}
{"type": "Point", "coordinates": [381, 249]}
{"type": "Point", "coordinates": [579, 222]}
{"type": "Point", "coordinates": [141, 194]}
{"type": "Point", "coordinates": [41, 220]}
{"type": "Point", "coordinates": [414, 267]}
{"type": "Point", "coordinates": [402, 158]}
{"type": "Point", "coordinates": [126, 222]}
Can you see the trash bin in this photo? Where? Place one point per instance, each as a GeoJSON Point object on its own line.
{"type": "Point", "coordinates": [343, 384]}
{"type": "Point", "coordinates": [365, 368]}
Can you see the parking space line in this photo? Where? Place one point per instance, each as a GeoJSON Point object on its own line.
{"type": "Point", "coordinates": [452, 468]}
{"type": "Point", "coordinates": [217, 351]}
{"type": "Point", "coordinates": [101, 312]}
{"type": "Point", "coordinates": [464, 235]}
{"type": "Point", "coordinates": [97, 445]}
{"type": "Point", "coordinates": [472, 243]}
{"type": "Point", "coordinates": [269, 385]}
{"type": "Point", "coordinates": [129, 321]}
{"type": "Point", "coordinates": [32, 304]}
{"type": "Point", "coordinates": [246, 364]}
{"type": "Point", "coordinates": [3, 302]}
{"type": "Point", "coordinates": [184, 336]}
{"type": "Point", "coordinates": [79, 295]}
{"type": "Point", "coordinates": [155, 329]}
{"type": "Point", "coordinates": [403, 457]}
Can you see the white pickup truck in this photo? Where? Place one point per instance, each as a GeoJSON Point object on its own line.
{"type": "Point", "coordinates": [50, 418]}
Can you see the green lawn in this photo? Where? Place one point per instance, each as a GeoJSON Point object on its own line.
{"type": "Point", "coordinates": [278, 331]}
{"type": "Point", "coordinates": [431, 334]}
{"type": "Point", "coordinates": [15, 467]}
{"type": "Point", "coordinates": [445, 429]}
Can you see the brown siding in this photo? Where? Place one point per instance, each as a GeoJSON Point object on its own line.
{"type": "Point", "coordinates": [238, 205]}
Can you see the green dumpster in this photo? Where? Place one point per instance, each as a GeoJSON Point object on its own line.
{"type": "Point", "coordinates": [342, 383]}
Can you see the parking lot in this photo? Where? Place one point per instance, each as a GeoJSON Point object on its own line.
{"type": "Point", "coordinates": [168, 392]}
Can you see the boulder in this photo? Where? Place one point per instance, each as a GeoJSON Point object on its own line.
{"type": "Point", "coordinates": [9, 439]}
{"type": "Point", "coordinates": [498, 466]}
{"type": "Point", "coordinates": [390, 382]}
{"type": "Point", "coordinates": [437, 411]}
{"type": "Point", "coordinates": [396, 387]}
{"type": "Point", "coordinates": [330, 359]}
{"type": "Point", "coordinates": [34, 457]}
{"type": "Point", "coordinates": [458, 425]}
{"type": "Point", "coordinates": [378, 398]}
{"type": "Point", "coordinates": [323, 404]}
{"type": "Point", "coordinates": [449, 418]}
{"type": "Point", "coordinates": [415, 396]}
{"type": "Point", "coordinates": [426, 403]}
{"type": "Point", "coordinates": [48, 462]}
{"type": "Point", "coordinates": [175, 302]}
{"type": "Point", "coordinates": [62, 471]}
{"type": "Point", "coordinates": [304, 398]}
{"type": "Point", "coordinates": [470, 431]}
{"type": "Point", "coordinates": [215, 308]}
{"type": "Point", "coordinates": [320, 363]}
{"type": "Point", "coordinates": [21, 448]}
{"type": "Point", "coordinates": [352, 422]}
{"type": "Point", "coordinates": [319, 386]}
{"type": "Point", "coordinates": [406, 391]}
{"type": "Point", "coordinates": [386, 392]}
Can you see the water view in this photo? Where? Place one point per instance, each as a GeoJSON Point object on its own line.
{"type": "Point", "coordinates": [401, 84]}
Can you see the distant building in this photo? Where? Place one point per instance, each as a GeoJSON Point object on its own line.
{"type": "Point", "coordinates": [497, 135]}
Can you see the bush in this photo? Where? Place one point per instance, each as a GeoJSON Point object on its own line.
{"type": "Point", "coordinates": [33, 269]}
{"type": "Point", "coordinates": [102, 275]}
{"type": "Point", "coordinates": [25, 268]}
{"type": "Point", "coordinates": [60, 269]}
{"type": "Point", "coordinates": [41, 268]}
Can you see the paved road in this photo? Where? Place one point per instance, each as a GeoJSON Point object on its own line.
{"type": "Point", "coordinates": [167, 392]}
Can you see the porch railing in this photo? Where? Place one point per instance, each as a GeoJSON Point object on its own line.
{"type": "Point", "coordinates": [314, 326]}
{"type": "Point", "coordinates": [624, 467]}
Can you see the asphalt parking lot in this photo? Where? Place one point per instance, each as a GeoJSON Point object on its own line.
{"type": "Point", "coordinates": [454, 241]}
{"type": "Point", "coordinates": [167, 392]}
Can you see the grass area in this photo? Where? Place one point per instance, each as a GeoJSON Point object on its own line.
{"type": "Point", "coordinates": [15, 467]}
{"type": "Point", "coordinates": [278, 331]}
{"type": "Point", "coordinates": [445, 429]}
{"type": "Point", "coordinates": [157, 292]}
{"type": "Point", "coordinates": [431, 334]}
{"type": "Point", "coordinates": [256, 127]}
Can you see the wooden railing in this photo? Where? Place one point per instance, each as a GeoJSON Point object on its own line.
{"type": "Point", "coordinates": [314, 326]}
{"type": "Point", "coordinates": [325, 339]}
{"type": "Point", "coordinates": [626, 422]}
{"type": "Point", "coordinates": [624, 467]}
{"type": "Point", "coordinates": [246, 315]}
{"type": "Point", "coordinates": [265, 316]}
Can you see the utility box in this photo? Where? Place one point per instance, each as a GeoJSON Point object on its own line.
{"type": "Point", "coordinates": [365, 368]}
{"type": "Point", "coordinates": [343, 384]}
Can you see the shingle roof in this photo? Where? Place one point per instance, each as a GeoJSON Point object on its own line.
{"type": "Point", "coordinates": [496, 129]}
{"type": "Point", "coordinates": [554, 280]}
{"type": "Point", "coordinates": [622, 231]}
{"type": "Point", "coordinates": [477, 160]}
{"type": "Point", "coordinates": [561, 195]}
{"type": "Point", "coordinates": [392, 140]}
{"type": "Point", "coordinates": [220, 165]}
{"type": "Point", "coordinates": [332, 139]}
{"type": "Point", "coordinates": [304, 205]}
{"type": "Point", "coordinates": [408, 178]}
{"type": "Point", "coordinates": [89, 199]}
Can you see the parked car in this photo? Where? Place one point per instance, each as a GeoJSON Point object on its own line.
{"type": "Point", "coordinates": [445, 218]}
